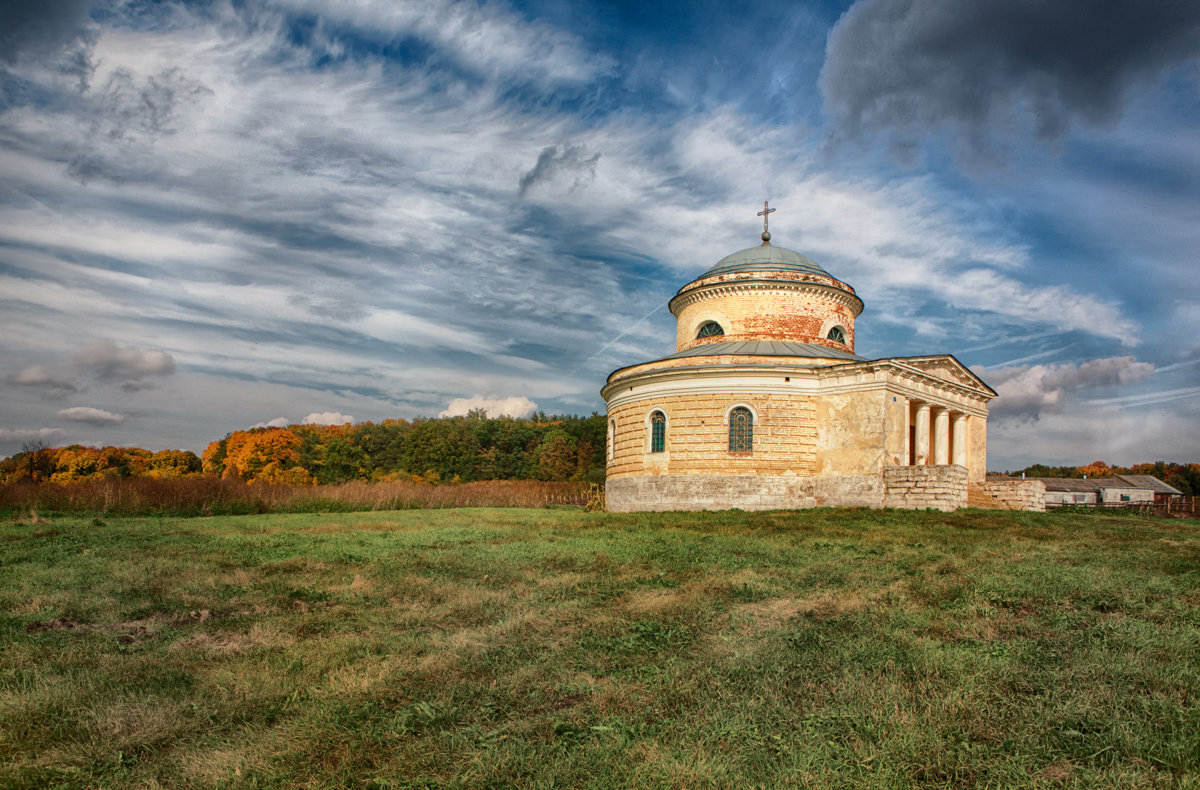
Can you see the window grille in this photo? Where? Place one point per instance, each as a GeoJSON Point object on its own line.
{"type": "Point", "coordinates": [710, 329]}
{"type": "Point", "coordinates": [837, 335]}
{"type": "Point", "coordinates": [741, 430]}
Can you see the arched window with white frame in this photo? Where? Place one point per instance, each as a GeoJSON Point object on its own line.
{"type": "Point", "coordinates": [741, 430]}
{"type": "Point", "coordinates": [658, 432]}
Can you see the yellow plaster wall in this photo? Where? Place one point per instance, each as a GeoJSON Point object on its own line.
{"type": "Point", "coordinates": [785, 436]}
{"type": "Point", "coordinates": [851, 430]}
{"type": "Point", "coordinates": [895, 430]}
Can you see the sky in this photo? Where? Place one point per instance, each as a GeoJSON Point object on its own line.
{"type": "Point", "coordinates": [216, 215]}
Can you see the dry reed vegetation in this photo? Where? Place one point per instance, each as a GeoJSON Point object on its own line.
{"type": "Point", "coordinates": [212, 496]}
{"type": "Point", "coordinates": [561, 648]}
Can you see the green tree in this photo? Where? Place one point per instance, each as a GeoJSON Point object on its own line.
{"type": "Point", "coordinates": [555, 456]}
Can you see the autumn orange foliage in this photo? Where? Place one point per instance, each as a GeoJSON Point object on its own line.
{"type": "Point", "coordinates": [76, 462]}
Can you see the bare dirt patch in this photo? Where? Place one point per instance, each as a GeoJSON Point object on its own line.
{"type": "Point", "coordinates": [59, 624]}
{"type": "Point", "coordinates": [224, 643]}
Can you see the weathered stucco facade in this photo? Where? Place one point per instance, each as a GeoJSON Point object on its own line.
{"type": "Point", "coordinates": [764, 403]}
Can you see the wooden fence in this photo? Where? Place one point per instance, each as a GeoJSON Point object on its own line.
{"type": "Point", "coordinates": [1176, 507]}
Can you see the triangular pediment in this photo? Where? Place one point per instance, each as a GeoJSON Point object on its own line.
{"type": "Point", "coordinates": [945, 366]}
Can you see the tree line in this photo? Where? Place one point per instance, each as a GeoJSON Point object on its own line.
{"type": "Point", "coordinates": [432, 450]}
{"type": "Point", "coordinates": [428, 450]}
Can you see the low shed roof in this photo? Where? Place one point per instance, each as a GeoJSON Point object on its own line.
{"type": "Point", "coordinates": [1078, 485]}
{"type": "Point", "coordinates": [1151, 482]}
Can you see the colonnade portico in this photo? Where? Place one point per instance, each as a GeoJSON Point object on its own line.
{"type": "Point", "coordinates": [937, 435]}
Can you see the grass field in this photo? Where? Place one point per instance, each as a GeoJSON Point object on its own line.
{"type": "Point", "coordinates": [558, 648]}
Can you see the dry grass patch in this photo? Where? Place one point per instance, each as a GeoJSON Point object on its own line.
{"type": "Point", "coordinates": [221, 766]}
{"type": "Point", "coordinates": [136, 724]}
{"type": "Point", "coordinates": [687, 596]}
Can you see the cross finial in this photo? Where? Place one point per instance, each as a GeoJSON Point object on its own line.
{"type": "Point", "coordinates": [766, 234]}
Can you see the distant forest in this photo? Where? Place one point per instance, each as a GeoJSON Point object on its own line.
{"type": "Point", "coordinates": [424, 450]}
{"type": "Point", "coordinates": [450, 449]}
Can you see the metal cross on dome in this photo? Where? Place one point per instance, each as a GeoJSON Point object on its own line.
{"type": "Point", "coordinates": [766, 234]}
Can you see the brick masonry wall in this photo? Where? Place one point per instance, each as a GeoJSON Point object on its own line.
{"type": "Point", "coordinates": [1008, 495]}
{"type": "Point", "coordinates": [697, 441]}
{"type": "Point", "coordinates": [767, 315]}
{"type": "Point", "coordinates": [920, 487]}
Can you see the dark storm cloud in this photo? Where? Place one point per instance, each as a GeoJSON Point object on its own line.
{"type": "Point", "coordinates": [904, 69]}
{"type": "Point", "coordinates": [554, 162]}
{"type": "Point", "coordinates": [39, 27]}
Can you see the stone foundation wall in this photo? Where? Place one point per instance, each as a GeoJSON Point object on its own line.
{"type": "Point", "coordinates": [920, 487]}
{"type": "Point", "coordinates": [747, 492]}
{"type": "Point", "coordinates": [907, 487]}
{"type": "Point", "coordinates": [1008, 495]}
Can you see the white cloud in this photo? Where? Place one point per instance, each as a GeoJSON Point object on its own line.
{"type": "Point", "coordinates": [488, 38]}
{"type": "Point", "coordinates": [101, 360]}
{"type": "Point", "coordinates": [110, 362]}
{"type": "Point", "coordinates": [56, 383]}
{"type": "Point", "coordinates": [91, 416]}
{"type": "Point", "coordinates": [326, 418]}
{"type": "Point", "coordinates": [278, 422]}
{"type": "Point", "coordinates": [493, 407]}
{"type": "Point", "coordinates": [1028, 391]}
{"type": "Point", "coordinates": [1108, 433]}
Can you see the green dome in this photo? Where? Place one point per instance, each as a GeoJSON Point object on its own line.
{"type": "Point", "coordinates": [765, 258]}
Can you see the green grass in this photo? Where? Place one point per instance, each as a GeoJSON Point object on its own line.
{"type": "Point", "coordinates": [557, 648]}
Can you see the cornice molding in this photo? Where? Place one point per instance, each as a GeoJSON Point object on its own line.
{"type": "Point", "coordinates": [897, 378]}
{"type": "Point", "coordinates": [715, 290]}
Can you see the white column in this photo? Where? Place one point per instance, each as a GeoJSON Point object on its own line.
{"type": "Point", "coordinates": [922, 435]}
{"type": "Point", "coordinates": [941, 436]}
{"type": "Point", "coordinates": [958, 441]}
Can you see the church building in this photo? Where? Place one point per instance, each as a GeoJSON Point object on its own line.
{"type": "Point", "coordinates": [765, 403]}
